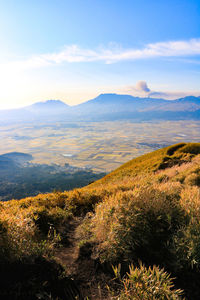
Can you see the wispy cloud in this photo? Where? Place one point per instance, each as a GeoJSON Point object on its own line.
{"type": "Point", "coordinates": [75, 54]}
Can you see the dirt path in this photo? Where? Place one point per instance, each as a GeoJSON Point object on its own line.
{"type": "Point", "coordinates": [68, 255]}
{"type": "Point", "coordinates": [91, 281]}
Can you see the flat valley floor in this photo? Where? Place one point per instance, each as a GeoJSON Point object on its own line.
{"type": "Point", "coordinates": [100, 146]}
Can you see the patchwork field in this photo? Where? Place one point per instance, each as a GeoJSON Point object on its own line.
{"type": "Point", "coordinates": [96, 145]}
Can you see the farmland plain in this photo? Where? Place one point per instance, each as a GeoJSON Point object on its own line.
{"type": "Point", "coordinates": [100, 146]}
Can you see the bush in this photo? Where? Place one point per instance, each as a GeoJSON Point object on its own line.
{"type": "Point", "coordinates": [46, 218]}
{"type": "Point", "coordinates": [142, 283]}
{"type": "Point", "coordinates": [187, 238]}
{"type": "Point", "coordinates": [136, 225]}
{"type": "Point", "coordinates": [187, 247]}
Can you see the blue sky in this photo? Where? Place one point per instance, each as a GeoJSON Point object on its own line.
{"type": "Point", "coordinates": [74, 50]}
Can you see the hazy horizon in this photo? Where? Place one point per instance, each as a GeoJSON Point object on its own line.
{"type": "Point", "coordinates": [156, 96]}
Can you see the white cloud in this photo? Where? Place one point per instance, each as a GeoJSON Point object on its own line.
{"type": "Point", "coordinates": [112, 54]}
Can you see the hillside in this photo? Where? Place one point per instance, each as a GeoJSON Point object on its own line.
{"type": "Point", "coordinates": [126, 231]}
{"type": "Point", "coordinates": [17, 157]}
{"type": "Point", "coordinates": [21, 178]}
{"type": "Point", "coordinates": [120, 107]}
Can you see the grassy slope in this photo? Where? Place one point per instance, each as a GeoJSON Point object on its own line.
{"type": "Point", "coordinates": [151, 202]}
{"type": "Point", "coordinates": [151, 162]}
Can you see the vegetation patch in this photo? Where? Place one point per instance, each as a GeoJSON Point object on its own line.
{"type": "Point", "coordinates": [174, 148]}
{"type": "Point", "coordinates": [146, 283]}
{"type": "Point", "coordinates": [138, 212]}
{"type": "Point", "coordinates": [192, 148]}
{"type": "Point", "coordinates": [137, 225]}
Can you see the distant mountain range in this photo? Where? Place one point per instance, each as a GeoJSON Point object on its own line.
{"type": "Point", "coordinates": [108, 107]}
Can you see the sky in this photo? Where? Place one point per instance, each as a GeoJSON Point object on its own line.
{"type": "Point", "coordinates": [75, 50]}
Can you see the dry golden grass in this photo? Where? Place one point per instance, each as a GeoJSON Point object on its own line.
{"type": "Point", "coordinates": [143, 283]}
{"type": "Point", "coordinates": [148, 209]}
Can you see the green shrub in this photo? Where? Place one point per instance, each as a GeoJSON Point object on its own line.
{"type": "Point", "coordinates": [142, 283]}
{"type": "Point", "coordinates": [187, 247]}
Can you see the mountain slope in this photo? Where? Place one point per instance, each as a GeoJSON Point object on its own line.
{"type": "Point", "coordinates": [39, 111]}
{"type": "Point", "coordinates": [115, 107]}
{"type": "Point", "coordinates": [146, 210]}
{"type": "Point", "coordinates": [107, 107]}
{"type": "Point", "coordinates": [151, 162]}
{"type": "Point", "coordinates": [117, 103]}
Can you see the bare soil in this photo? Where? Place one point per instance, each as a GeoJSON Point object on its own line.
{"type": "Point", "coordinates": [90, 279]}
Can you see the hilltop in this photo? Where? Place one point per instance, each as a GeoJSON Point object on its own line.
{"type": "Point", "coordinates": [137, 224]}
{"type": "Point", "coordinates": [17, 157]}
{"type": "Point", "coordinates": [48, 107]}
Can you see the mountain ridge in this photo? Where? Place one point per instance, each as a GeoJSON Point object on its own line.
{"type": "Point", "coordinates": [49, 103]}
{"type": "Point", "coordinates": [108, 107]}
